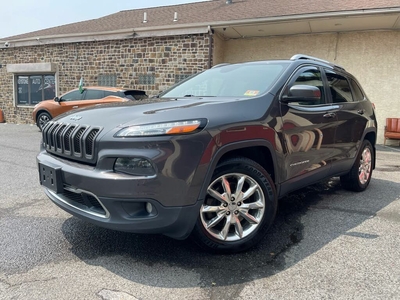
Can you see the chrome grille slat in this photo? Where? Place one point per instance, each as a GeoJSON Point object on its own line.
{"type": "Point", "coordinates": [71, 140]}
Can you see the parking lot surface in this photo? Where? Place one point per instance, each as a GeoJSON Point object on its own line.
{"type": "Point", "coordinates": [326, 243]}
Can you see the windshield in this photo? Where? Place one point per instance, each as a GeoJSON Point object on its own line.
{"type": "Point", "coordinates": [239, 80]}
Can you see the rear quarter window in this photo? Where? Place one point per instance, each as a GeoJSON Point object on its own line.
{"type": "Point", "coordinates": [357, 93]}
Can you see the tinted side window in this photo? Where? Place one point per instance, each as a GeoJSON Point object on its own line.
{"type": "Point", "coordinates": [339, 87]}
{"type": "Point", "coordinates": [94, 94]}
{"type": "Point", "coordinates": [109, 93]}
{"type": "Point", "coordinates": [309, 76]}
{"type": "Point", "coordinates": [72, 96]}
{"type": "Point", "coordinates": [357, 93]}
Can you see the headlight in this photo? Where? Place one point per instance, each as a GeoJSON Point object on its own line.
{"type": "Point", "coordinates": [180, 127]}
{"type": "Point", "coordinates": [134, 166]}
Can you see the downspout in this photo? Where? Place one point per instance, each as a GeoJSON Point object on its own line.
{"type": "Point", "coordinates": [210, 47]}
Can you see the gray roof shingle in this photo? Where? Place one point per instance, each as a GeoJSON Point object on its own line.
{"type": "Point", "coordinates": [210, 12]}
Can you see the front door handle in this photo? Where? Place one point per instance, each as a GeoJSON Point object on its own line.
{"type": "Point", "coordinates": [76, 106]}
{"type": "Point", "coordinates": [329, 115]}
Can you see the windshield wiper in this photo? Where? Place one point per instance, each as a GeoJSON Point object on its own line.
{"type": "Point", "coordinates": [185, 96]}
{"type": "Point", "coordinates": [188, 96]}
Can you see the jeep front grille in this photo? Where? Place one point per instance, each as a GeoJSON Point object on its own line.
{"type": "Point", "coordinates": [71, 140]}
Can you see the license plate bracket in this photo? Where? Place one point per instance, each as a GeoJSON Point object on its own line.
{"type": "Point", "coordinates": [50, 177]}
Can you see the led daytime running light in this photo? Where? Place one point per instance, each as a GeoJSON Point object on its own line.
{"type": "Point", "coordinates": [160, 129]}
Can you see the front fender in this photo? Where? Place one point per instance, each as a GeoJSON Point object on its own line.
{"type": "Point", "coordinates": [220, 152]}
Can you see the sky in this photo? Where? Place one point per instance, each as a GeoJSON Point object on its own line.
{"type": "Point", "coordinates": [24, 16]}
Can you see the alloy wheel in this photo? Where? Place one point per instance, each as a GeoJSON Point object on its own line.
{"type": "Point", "coordinates": [234, 207]}
{"type": "Point", "coordinates": [364, 170]}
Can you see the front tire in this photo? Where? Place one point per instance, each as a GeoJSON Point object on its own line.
{"type": "Point", "coordinates": [42, 119]}
{"type": "Point", "coordinates": [238, 209]}
{"type": "Point", "coordinates": [360, 174]}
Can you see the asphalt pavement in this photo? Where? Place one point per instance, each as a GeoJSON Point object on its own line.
{"type": "Point", "coordinates": [326, 243]}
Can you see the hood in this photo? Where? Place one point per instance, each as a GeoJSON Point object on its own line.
{"type": "Point", "coordinates": [215, 110]}
{"type": "Point", "coordinates": [124, 114]}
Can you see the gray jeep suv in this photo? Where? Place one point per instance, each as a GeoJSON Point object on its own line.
{"type": "Point", "coordinates": [210, 157]}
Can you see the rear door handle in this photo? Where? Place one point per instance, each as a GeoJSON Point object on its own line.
{"type": "Point", "coordinates": [360, 111]}
{"type": "Point", "coordinates": [75, 106]}
{"type": "Point", "coordinates": [329, 115]}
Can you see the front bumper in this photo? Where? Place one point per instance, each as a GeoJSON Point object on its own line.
{"type": "Point", "coordinates": [128, 215]}
{"type": "Point", "coordinates": [118, 201]}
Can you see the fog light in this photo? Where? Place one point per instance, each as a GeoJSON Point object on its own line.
{"type": "Point", "coordinates": [134, 166]}
{"type": "Point", "coordinates": [149, 207]}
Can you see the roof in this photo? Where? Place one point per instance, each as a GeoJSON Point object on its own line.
{"type": "Point", "coordinates": [210, 13]}
{"type": "Point", "coordinates": [107, 88]}
{"type": "Point", "coordinates": [103, 88]}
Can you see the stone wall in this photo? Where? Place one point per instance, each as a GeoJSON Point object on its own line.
{"type": "Point", "coordinates": [163, 57]}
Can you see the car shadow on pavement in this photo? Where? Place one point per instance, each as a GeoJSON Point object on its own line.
{"type": "Point", "coordinates": [306, 221]}
{"type": "Point", "coordinates": [390, 148]}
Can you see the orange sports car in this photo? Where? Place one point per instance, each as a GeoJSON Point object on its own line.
{"type": "Point", "coordinates": [92, 95]}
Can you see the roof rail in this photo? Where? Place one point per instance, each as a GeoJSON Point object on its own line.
{"type": "Point", "coordinates": [220, 65]}
{"type": "Point", "coordinates": [303, 56]}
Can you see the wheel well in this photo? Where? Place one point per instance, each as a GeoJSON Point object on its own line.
{"type": "Point", "coordinates": [371, 137]}
{"type": "Point", "coordinates": [42, 111]}
{"type": "Point", "coordinates": [259, 154]}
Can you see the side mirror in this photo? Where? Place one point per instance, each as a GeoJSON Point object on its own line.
{"type": "Point", "coordinates": [302, 93]}
{"type": "Point", "coordinates": [57, 99]}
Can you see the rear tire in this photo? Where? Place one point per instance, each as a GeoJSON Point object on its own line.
{"type": "Point", "coordinates": [238, 209]}
{"type": "Point", "coordinates": [360, 174]}
{"type": "Point", "coordinates": [42, 119]}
